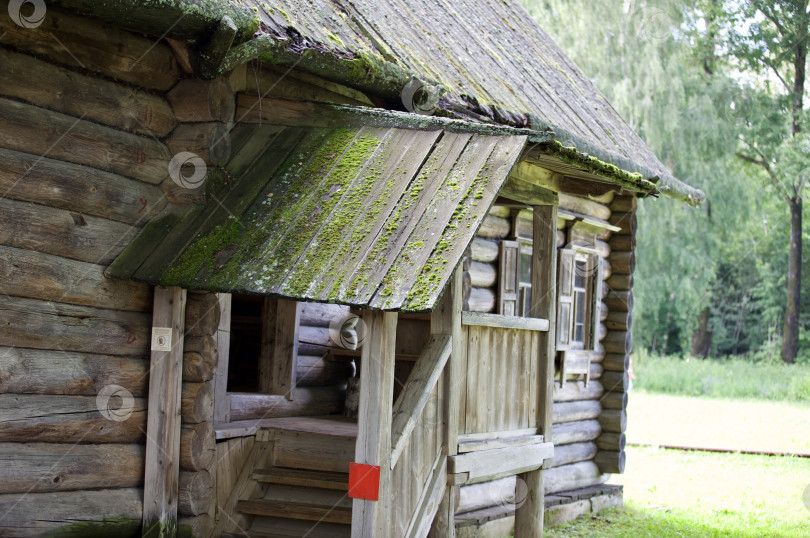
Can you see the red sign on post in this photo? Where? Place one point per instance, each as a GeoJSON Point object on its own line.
{"type": "Point", "coordinates": [364, 481]}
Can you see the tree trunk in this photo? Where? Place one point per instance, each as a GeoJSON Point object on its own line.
{"type": "Point", "coordinates": [790, 339]}
{"type": "Point", "coordinates": [702, 339]}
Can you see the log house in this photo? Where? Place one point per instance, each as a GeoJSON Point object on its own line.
{"type": "Point", "coordinates": [281, 269]}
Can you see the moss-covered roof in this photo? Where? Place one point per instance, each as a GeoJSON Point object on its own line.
{"type": "Point", "coordinates": [370, 217]}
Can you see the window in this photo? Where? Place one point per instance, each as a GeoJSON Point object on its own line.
{"type": "Point", "coordinates": [515, 293]}
{"type": "Point", "coordinates": [578, 296]}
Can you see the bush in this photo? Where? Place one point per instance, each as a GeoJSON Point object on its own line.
{"type": "Point", "coordinates": [723, 378]}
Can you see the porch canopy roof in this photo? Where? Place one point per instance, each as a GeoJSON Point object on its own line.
{"type": "Point", "coordinates": [373, 217]}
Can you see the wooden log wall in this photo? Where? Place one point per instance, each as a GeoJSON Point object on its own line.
{"type": "Point", "coordinates": [82, 155]}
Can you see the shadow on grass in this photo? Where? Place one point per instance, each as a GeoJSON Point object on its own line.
{"type": "Point", "coordinates": [632, 522]}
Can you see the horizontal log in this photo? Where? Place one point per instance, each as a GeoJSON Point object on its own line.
{"type": "Point", "coordinates": [611, 441]}
{"type": "Point", "coordinates": [197, 403]}
{"type": "Point", "coordinates": [620, 282]}
{"type": "Point", "coordinates": [613, 420]}
{"type": "Point", "coordinates": [622, 242]}
{"type": "Point", "coordinates": [598, 354]}
{"type": "Point", "coordinates": [322, 315]}
{"type": "Point", "coordinates": [619, 321]}
{"type": "Point", "coordinates": [495, 493]}
{"type": "Point", "coordinates": [573, 453]}
{"type": "Point", "coordinates": [114, 513]}
{"type": "Point", "coordinates": [211, 142]}
{"type": "Point", "coordinates": [604, 235]}
{"type": "Point", "coordinates": [615, 381]}
{"type": "Point", "coordinates": [482, 300]}
{"type": "Point", "coordinates": [584, 206]}
{"type": "Point", "coordinates": [204, 345]}
{"type": "Point", "coordinates": [500, 211]}
{"type": "Point", "coordinates": [314, 371]}
{"type": "Point", "coordinates": [36, 275]}
{"type": "Point", "coordinates": [70, 419]}
{"type": "Point", "coordinates": [575, 411]}
{"type": "Point", "coordinates": [47, 325]}
{"type": "Point", "coordinates": [194, 527]}
{"type": "Point", "coordinates": [483, 275]}
{"type": "Point", "coordinates": [308, 402]}
{"type": "Point", "coordinates": [198, 446]}
{"type": "Point", "coordinates": [614, 400]}
{"type": "Point", "coordinates": [602, 248]}
{"type": "Point", "coordinates": [79, 95]}
{"type": "Point", "coordinates": [196, 492]}
{"type": "Point", "coordinates": [196, 100]}
{"type": "Point", "coordinates": [610, 462]}
{"type": "Point", "coordinates": [604, 291]}
{"type": "Point", "coordinates": [61, 233]}
{"type": "Point", "coordinates": [619, 301]}
{"type": "Point", "coordinates": [73, 187]}
{"type": "Point", "coordinates": [624, 204]}
{"type": "Point", "coordinates": [627, 223]}
{"type": "Point", "coordinates": [595, 370]}
{"type": "Point", "coordinates": [576, 390]}
{"type": "Point", "coordinates": [573, 476]}
{"type": "Point", "coordinates": [198, 367]}
{"type": "Point", "coordinates": [31, 129]}
{"type": "Point", "coordinates": [76, 41]}
{"type": "Point", "coordinates": [601, 332]}
{"type": "Point", "coordinates": [616, 362]}
{"type": "Point", "coordinates": [43, 467]}
{"type": "Point", "coordinates": [575, 432]}
{"type": "Point", "coordinates": [603, 311]}
{"type": "Point", "coordinates": [34, 371]}
{"type": "Point", "coordinates": [202, 314]}
{"type": "Point", "coordinates": [494, 227]}
{"type": "Point", "coordinates": [623, 263]}
{"type": "Point", "coordinates": [620, 342]}
{"type": "Point", "coordinates": [484, 250]}
{"type": "Point", "coordinates": [325, 336]}
{"type": "Point", "coordinates": [606, 267]}
{"type": "Point", "coordinates": [560, 238]}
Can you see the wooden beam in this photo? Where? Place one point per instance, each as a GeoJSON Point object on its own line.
{"type": "Point", "coordinates": [430, 500]}
{"type": "Point", "coordinates": [416, 392]}
{"type": "Point", "coordinates": [504, 322]}
{"type": "Point", "coordinates": [277, 365]}
{"type": "Point", "coordinates": [509, 460]}
{"type": "Point", "coordinates": [161, 476]}
{"type": "Point", "coordinates": [521, 190]}
{"type": "Point", "coordinates": [370, 518]}
{"type": "Point", "coordinates": [529, 515]}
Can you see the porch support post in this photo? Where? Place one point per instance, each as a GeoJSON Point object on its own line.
{"type": "Point", "coordinates": [529, 516]}
{"type": "Point", "coordinates": [370, 519]}
{"type": "Point", "coordinates": [446, 319]}
{"type": "Point", "coordinates": [162, 470]}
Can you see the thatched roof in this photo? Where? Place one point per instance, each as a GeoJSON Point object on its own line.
{"type": "Point", "coordinates": [485, 60]}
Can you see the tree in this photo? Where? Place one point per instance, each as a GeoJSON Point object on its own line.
{"type": "Point", "coordinates": [767, 45]}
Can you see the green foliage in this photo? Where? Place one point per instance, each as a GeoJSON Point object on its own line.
{"type": "Point", "coordinates": [769, 379]}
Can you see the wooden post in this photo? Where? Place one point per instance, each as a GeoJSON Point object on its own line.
{"type": "Point", "coordinates": [277, 365]}
{"type": "Point", "coordinates": [222, 402]}
{"type": "Point", "coordinates": [529, 515]}
{"type": "Point", "coordinates": [446, 319]}
{"type": "Point", "coordinates": [370, 518]}
{"type": "Point", "coordinates": [161, 477]}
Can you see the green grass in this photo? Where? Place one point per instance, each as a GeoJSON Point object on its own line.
{"type": "Point", "coordinates": [722, 378]}
{"type": "Point", "coordinates": [681, 493]}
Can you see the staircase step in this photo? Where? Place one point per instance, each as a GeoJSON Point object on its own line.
{"type": "Point", "coordinates": [304, 495]}
{"type": "Point", "coordinates": [303, 477]}
{"type": "Point", "coordinates": [313, 451]}
{"type": "Point", "coordinates": [297, 528]}
{"type": "Point", "coordinates": [292, 510]}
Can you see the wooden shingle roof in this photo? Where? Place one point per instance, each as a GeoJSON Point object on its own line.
{"type": "Point", "coordinates": [368, 216]}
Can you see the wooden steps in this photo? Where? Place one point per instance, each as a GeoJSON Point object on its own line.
{"type": "Point", "coordinates": [293, 510]}
{"type": "Point", "coordinates": [303, 477]}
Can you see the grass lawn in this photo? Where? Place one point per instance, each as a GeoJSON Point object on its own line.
{"type": "Point", "coordinates": [686, 493]}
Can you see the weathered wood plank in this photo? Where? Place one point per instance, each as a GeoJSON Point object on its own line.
{"type": "Point", "coordinates": [74, 187]}
{"type": "Point", "coordinates": [279, 349]}
{"type": "Point", "coordinates": [512, 460]}
{"type": "Point", "coordinates": [36, 275]}
{"type": "Point", "coordinates": [76, 41]}
{"type": "Point", "coordinates": [44, 467]}
{"type": "Point", "coordinates": [62, 233]}
{"type": "Point", "coordinates": [35, 130]}
{"type": "Point", "coordinates": [70, 419]}
{"type": "Point", "coordinates": [48, 325]}
{"type": "Point", "coordinates": [504, 322]}
{"type": "Point", "coordinates": [163, 422]}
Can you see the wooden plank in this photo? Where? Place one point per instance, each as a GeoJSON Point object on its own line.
{"type": "Point", "coordinates": [278, 360]}
{"type": "Point", "coordinates": [370, 518]}
{"type": "Point", "coordinates": [222, 402]}
{"type": "Point", "coordinates": [527, 192]}
{"type": "Point", "coordinates": [504, 322]}
{"type": "Point", "coordinates": [430, 500]}
{"type": "Point", "coordinates": [417, 391]}
{"type": "Point", "coordinates": [56, 326]}
{"type": "Point", "coordinates": [327, 514]}
{"type": "Point", "coordinates": [244, 488]}
{"type": "Point", "coordinates": [498, 442]}
{"type": "Point", "coordinates": [62, 233]}
{"type": "Point", "coordinates": [488, 436]}
{"type": "Point", "coordinates": [163, 422]}
{"type": "Point", "coordinates": [31, 129]}
{"type": "Point", "coordinates": [512, 460]}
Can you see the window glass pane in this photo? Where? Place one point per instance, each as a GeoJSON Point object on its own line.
{"type": "Point", "coordinates": [579, 275]}
{"type": "Point", "coordinates": [579, 307]}
{"type": "Point", "coordinates": [525, 268]}
{"type": "Point", "coordinates": [579, 334]}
